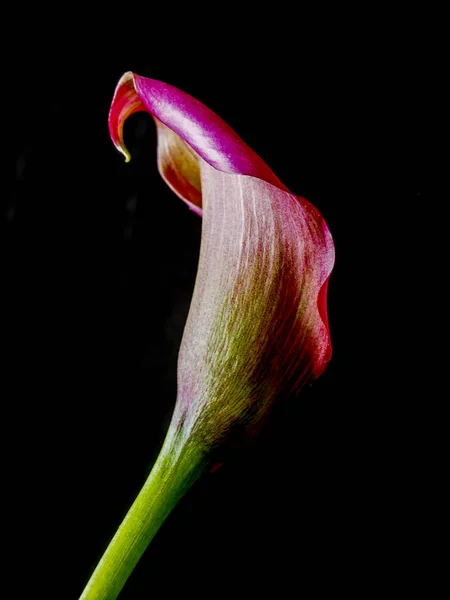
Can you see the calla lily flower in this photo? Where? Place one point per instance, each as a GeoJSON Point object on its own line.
{"type": "Point", "coordinates": [257, 327]}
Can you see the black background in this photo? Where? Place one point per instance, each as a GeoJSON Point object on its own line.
{"type": "Point", "coordinates": [322, 502]}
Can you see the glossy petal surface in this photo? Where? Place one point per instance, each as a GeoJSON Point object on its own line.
{"type": "Point", "coordinates": [191, 130]}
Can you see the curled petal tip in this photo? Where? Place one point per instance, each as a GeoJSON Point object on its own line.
{"type": "Point", "coordinates": [188, 132]}
{"type": "Point", "coordinates": [125, 103]}
{"type": "Point", "coordinates": [123, 150]}
{"type": "Point", "coordinates": [126, 154]}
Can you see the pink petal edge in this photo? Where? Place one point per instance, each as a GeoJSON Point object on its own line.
{"type": "Point", "coordinates": [203, 130]}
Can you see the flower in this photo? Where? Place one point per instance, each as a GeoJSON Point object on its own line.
{"type": "Point", "coordinates": [257, 326]}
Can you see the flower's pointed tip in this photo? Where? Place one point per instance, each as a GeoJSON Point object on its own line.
{"type": "Point", "coordinates": [120, 146]}
{"type": "Point", "coordinates": [125, 103]}
{"type": "Point", "coordinates": [123, 150]}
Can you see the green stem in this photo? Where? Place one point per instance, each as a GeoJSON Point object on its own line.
{"type": "Point", "coordinates": [179, 464]}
